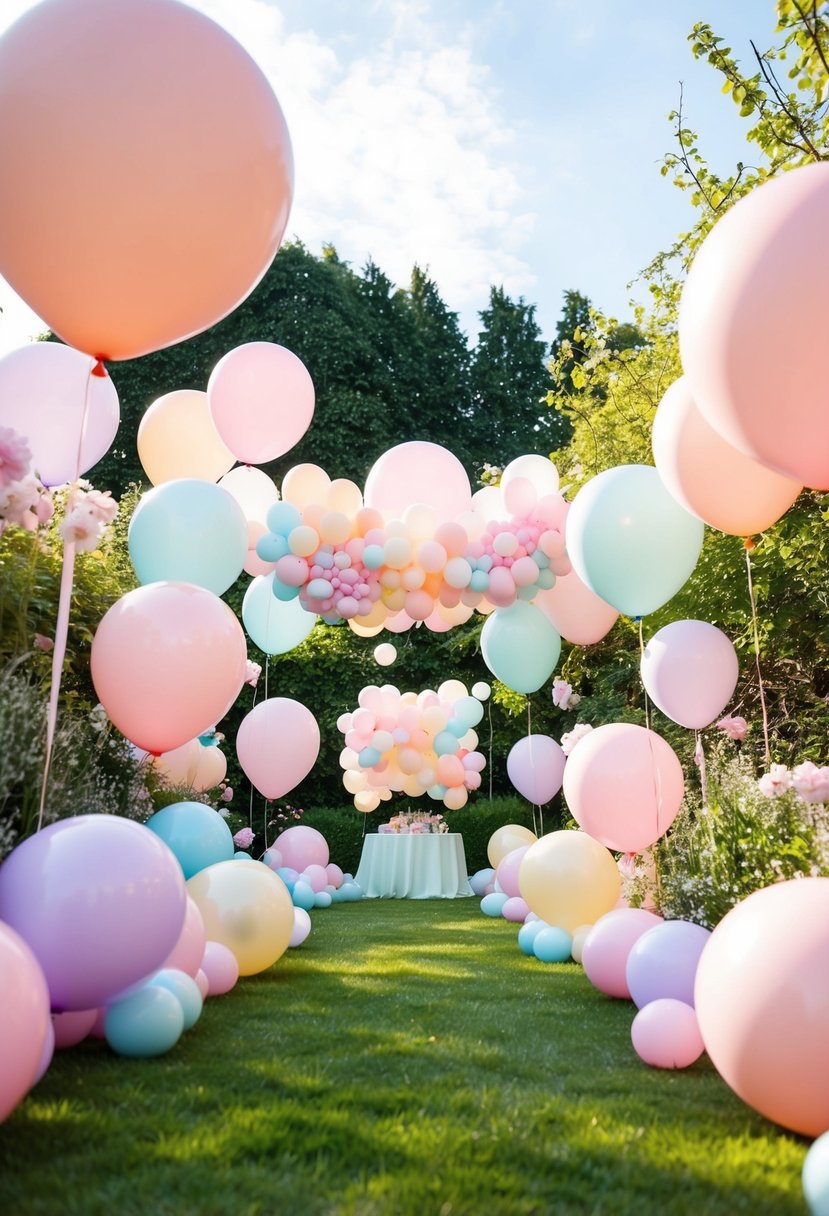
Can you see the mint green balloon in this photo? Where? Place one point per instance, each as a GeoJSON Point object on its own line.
{"type": "Point", "coordinates": [520, 646]}
{"type": "Point", "coordinates": [274, 625]}
{"type": "Point", "coordinates": [630, 541]}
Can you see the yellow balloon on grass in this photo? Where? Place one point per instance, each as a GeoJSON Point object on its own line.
{"type": "Point", "coordinates": [569, 879]}
{"type": "Point", "coordinates": [506, 838]}
{"type": "Point", "coordinates": [248, 909]}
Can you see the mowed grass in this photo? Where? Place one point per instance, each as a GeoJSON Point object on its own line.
{"type": "Point", "coordinates": [406, 1060]}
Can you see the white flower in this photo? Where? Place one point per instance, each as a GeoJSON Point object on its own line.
{"type": "Point", "coordinates": [775, 782]}
{"type": "Point", "coordinates": [571, 737]}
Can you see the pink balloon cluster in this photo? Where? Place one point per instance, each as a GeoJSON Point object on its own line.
{"type": "Point", "coordinates": [412, 743]}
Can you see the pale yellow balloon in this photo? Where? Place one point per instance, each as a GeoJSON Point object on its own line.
{"type": "Point", "coordinates": [469, 740]}
{"type": "Point", "coordinates": [356, 625]}
{"type": "Point", "coordinates": [344, 496]}
{"type": "Point", "coordinates": [408, 698]}
{"type": "Point", "coordinates": [177, 437]}
{"type": "Point", "coordinates": [349, 758]}
{"type": "Point", "coordinates": [335, 528]}
{"type": "Point", "coordinates": [413, 787]}
{"type": "Point", "coordinates": [355, 780]}
{"type": "Point", "coordinates": [248, 909]}
{"type": "Point", "coordinates": [433, 719]}
{"type": "Point", "coordinates": [506, 838]}
{"type": "Point", "coordinates": [254, 491]}
{"type": "Point", "coordinates": [458, 615]}
{"type": "Point", "coordinates": [421, 522]}
{"type": "Point", "coordinates": [455, 798]}
{"type": "Point", "coordinates": [178, 767]}
{"type": "Point", "coordinates": [305, 484]}
{"type": "Point", "coordinates": [579, 938]}
{"type": "Point", "coordinates": [303, 540]}
{"type": "Point", "coordinates": [211, 768]}
{"type": "Point", "coordinates": [367, 801]}
{"type": "Point", "coordinates": [569, 879]}
{"type": "Point", "coordinates": [394, 598]}
{"type": "Point", "coordinates": [452, 690]}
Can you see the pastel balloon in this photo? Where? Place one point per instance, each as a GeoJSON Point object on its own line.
{"type": "Point", "coordinates": [191, 531]}
{"type": "Point", "coordinates": [762, 999]}
{"type": "Point", "coordinates": [145, 1023]}
{"type": "Point", "coordinates": [385, 654]}
{"type": "Point", "coordinates": [623, 785]}
{"type": "Point", "coordinates": [277, 744]}
{"type": "Point", "coordinates": [186, 955]}
{"type": "Point", "coordinates": [418, 472]}
{"type": "Point", "coordinates": [506, 838]}
{"type": "Point", "coordinates": [24, 1018]}
{"type": "Point", "coordinates": [253, 489]}
{"type": "Point", "coordinates": [306, 485]}
{"type": "Point", "coordinates": [163, 244]}
{"type": "Point", "coordinates": [708, 476]}
{"type": "Point", "coordinates": [167, 661]}
{"type": "Point", "coordinates": [520, 646]}
{"type": "Point", "coordinates": [195, 833]}
{"type": "Point", "coordinates": [211, 769]}
{"type": "Point", "coordinates": [665, 1034]}
{"type": "Point", "coordinates": [506, 872]}
{"type": "Point", "coordinates": [606, 947]}
{"type": "Point", "coordinates": [185, 989]}
{"type": "Point", "coordinates": [219, 967]}
{"type": "Point", "coordinates": [663, 962]}
{"type": "Point", "coordinates": [100, 901]}
{"type": "Point", "coordinates": [569, 879]}
{"type": "Point", "coordinates": [179, 766]}
{"type": "Point", "coordinates": [69, 417]}
{"type": "Point", "coordinates": [535, 766]}
{"type": "Point", "coordinates": [630, 541]}
{"type": "Point", "coordinates": [178, 438]}
{"type": "Point", "coordinates": [301, 929]}
{"type": "Point", "coordinates": [73, 1026]}
{"type": "Point", "coordinates": [261, 397]}
{"type": "Point", "coordinates": [753, 365]}
{"type": "Point", "coordinates": [689, 670]}
{"type": "Point", "coordinates": [552, 944]}
{"type": "Point", "coordinates": [275, 626]}
{"type": "Point", "coordinates": [246, 908]}
{"type": "Point", "coordinates": [579, 615]}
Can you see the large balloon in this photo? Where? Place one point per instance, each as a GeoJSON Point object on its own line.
{"type": "Point", "coordinates": [579, 615]}
{"type": "Point", "coordinates": [195, 833]}
{"type": "Point", "coordinates": [45, 389]}
{"type": "Point", "coordinates": [168, 660]}
{"type": "Point", "coordinates": [506, 839]}
{"type": "Point", "coordinates": [277, 744]}
{"type": "Point", "coordinates": [535, 766]}
{"type": "Point", "coordinates": [630, 541]}
{"type": "Point", "coordinates": [253, 489]}
{"type": "Point", "coordinates": [100, 900]}
{"type": "Point", "coordinates": [24, 1019]}
{"type": "Point", "coordinates": [755, 365]}
{"type": "Point", "coordinates": [191, 531]}
{"type": "Point", "coordinates": [190, 208]}
{"type": "Point", "coordinates": [246, 908]}
{"type": "Point", "coordinates": [418, 472]}
{"type": "Point", "coordinates": [177, 437]}
{"type": "Point", "coordinates": [624, 785]}
{"type": "Point", "coordinates": [569, 879]}
{"type": "Point", "coordinates": [275, 626]}
{"type": "Point", "coordinates": [520, 646]}
{"type": "Point", "coordinates": [710, 477]}
{"type": "Point", "coordinates": [262, 400]}
{"type": "Point", "coordinates": [690, 670]}
{"type": "Point", "coordinates": [607, 946]}
{"type": "Point", "coordinates": [762, 998]}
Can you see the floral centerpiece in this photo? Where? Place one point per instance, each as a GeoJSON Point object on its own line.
{"type": "Point", "coordinates": [417, 823]}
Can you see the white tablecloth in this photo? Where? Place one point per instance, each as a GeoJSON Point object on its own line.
{"type": "Point", "coordinates": [410, 866]}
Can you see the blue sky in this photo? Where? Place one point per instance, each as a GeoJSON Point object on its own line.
{"type": "Point", "coordinates": [508, 142]}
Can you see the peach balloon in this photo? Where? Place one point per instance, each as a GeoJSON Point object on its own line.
{"type": "Point", "coordinates": [623, 785]}
{"type": "Point", "coordinates": [762, 999]}
{"type": "Point", "coordinates": [261, 398]}
{"type": "Point", "coordinates": [211, 768]}
{"type": "Point", "coordinates": [569, 879]}
{"type": "Point", "coordinates": [418, 472]}
{"type": "Point", "coordinates": [305, 485]}
{"type": "Point", "coordinates": [579, 615]}
{"type": "Point", "coordinates": [506, 838]}
{"type": "Point", "coordinates": [178, 438]}
{"type": "Point", "coordinates": [195, 184]}
{"type": "Point", "coordinates": [168, 660]}
{"type": "Point", "coordinates": [708, 476]}
{"type": "Point", "coordinates": [277, 744]}
{"type": "Point", "coordinates": [253, 489]}
{"type": "Point", "coordinates": [756, 365]}
{"type": "Point", "coordinates": [179, 766]}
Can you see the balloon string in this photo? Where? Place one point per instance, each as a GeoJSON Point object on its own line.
{"type": "Point", "coordinates": [644, 690]}
{"type": "Point", "coordinates": [699, 757]}
{"type": "Point", "coordinates": [749, 545]}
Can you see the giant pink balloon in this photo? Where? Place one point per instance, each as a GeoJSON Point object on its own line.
{"type": "Point", "coordinates": [623, 785]}
{"type": "Point", "coordinates": [261, 399]}
{"type": "Point", "coordinates": [709, 476]}
{"type": "Point", "coordinates": [690, 670]}
{"type": "Point", "coordinates": [168, 661]}
{"type": "Point", "coordinates": [418, 472]}
{"type": "Point", "coordinates": [752, 329]}
{"type": "Point", "coordinates": [762, 999]}
{"type": "Point", "coordinates": [185, 193]}
{"type": "Point", "coordinates": [535, 766]}
{"type": "Point", "coordinates": [580, 616]}
{"type": "Point", "coordinates": [277, 744]}
{"type": "Point", "coordinates": [24, 1019]}
{"type": "Point", "coordinates": [69, 416]}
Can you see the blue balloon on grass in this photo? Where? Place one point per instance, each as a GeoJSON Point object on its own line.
{"type": "Point", "coordinates": [493, 904]}
{"type": "Point", "coordinates": [323, 899]}
{"type": "Point", "coordinates": [146, 1023]}
{"type": "Point", "coordinates": [186, 991]}
{"type": "Point", "coordinates": [188, 531]}
{"type": "Point", "coordinates": [527, 935]}
{"type": "Point", "coordinates": [303, 895]}
{"type": "Point", "coordinates": [195, 833]}
{"type": "Point", "coordinates": [552, 945]}
{"type": "Point", "coordinates": [274, 625]}
{"type": "Point", "coordinates": [520, 646]}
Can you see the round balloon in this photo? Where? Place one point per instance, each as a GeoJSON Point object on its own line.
{"type": "Point", "coordinates": [262, 400]}
{"type": "Point", "coordinates": [303, 846]}
{"type": "Point", "coordinates": [663, 962]}
{"type": "Point", "coordinates": [690, 670]}
{"type": "Point", "coordinates": [246, 908]}
{"type": "Point", "coordinates": [177, 437]}
{"type": "Point", "coordinates": [168, 660]}
{"type": "Point", "coordinates": [665, 1034]}
{"type": "Point", "coordinates": [569, 879]}
{"type": "Point", "coordinates": [254, 491]}
{"type": "Point", "coordinates": [24, 1019]}
{"type": "Point", "coordinates": [630, 541]}
{"type": "Point", "coordinates": [195, 833]}
{"type": "Point", "coordinates": [506, 838]}
{"type": "Point", "coordinates": [520, 646]}
{"type": "Point", "coordinates": [100, 900]}
{"type": "Point", "coordinates": [275, 626]}
{"type": "Point", "coordinates": [535, 766]}
{"type": "Point", "coordinates": [277, 744]}
{"type": "Point", "coordinates": [606, 948]}
{"type": "Point", "coordinates": [578, 614]}
{"type": "Point", "coordinates": [418, 472]}
{"type": "Point", "coordinates": [192, 206]}
{"type": "Point", "coordinates": [624, 785]}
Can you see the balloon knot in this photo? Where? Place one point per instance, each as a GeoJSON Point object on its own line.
{"type": "Point", "coordinates": [749, 544]}
{"type": "Point", "coordinates": [636, 620]}
{"type": "Point", "coordinates": [99, 369]}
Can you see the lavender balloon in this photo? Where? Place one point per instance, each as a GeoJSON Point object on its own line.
{"type": "Point", "coordinates": [100, 901]}
{"type": "Point", "coordinates": [663, 962]}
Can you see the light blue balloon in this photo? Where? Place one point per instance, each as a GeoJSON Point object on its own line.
{"type": "Point", "coordinates": [186, 991]}
{"type": "Point", "coordinates": [479, 581]}
{"type": "Point", "coordinates": [520, 646]}
{"type": "Point", "coordinates": [288, 875]}
{"type": "Point", "coordinates": [271, 546]}
{"type": "Point", "coordinates": [527, 935]}
{"type": "Point", "coordinates": [481, 879]}
{"type": "Point", "coordinates": [283, 517]}
{"type": "Point", "coordinates": [373, 557]}
{"type": "Point", "coordinates": [323, 899]}
{"type": "Point", "coordinates": [446, 742]}
{"type": "Point", "coordinates": [274, 625]}
{"type": "Point", "coordinates": [552, 945]}
{"type": "Point", "coordinates": [368, 757]}
{"type": "Point", "coordinates": [195, 833]}
{"type": "Point", "coordinates": [188, 531]}
{"type": "Point", "coordinates": [437, 792]}
{"type": "Point", "coordinates": [303, 895]}
{"type": "Point", "coordinates": [281, 591]}
{"type": "Point", "coordinates": [630, 541]}
{"type": "Point", "coordinates": [469, 710]}
{"type": "Point", "coordinates": [816, 1176]}
{"type": "Point", "coordinates": [493, 904]}
{"type": "Point", "coordinates": [146, 1023]}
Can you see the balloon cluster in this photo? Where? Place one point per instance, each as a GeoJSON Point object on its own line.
{"type": "Point", "coordinates": [412, 743]}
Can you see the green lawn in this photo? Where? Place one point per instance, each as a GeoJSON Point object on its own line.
{"type": "Point", "coordinates": [406, 1060]}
